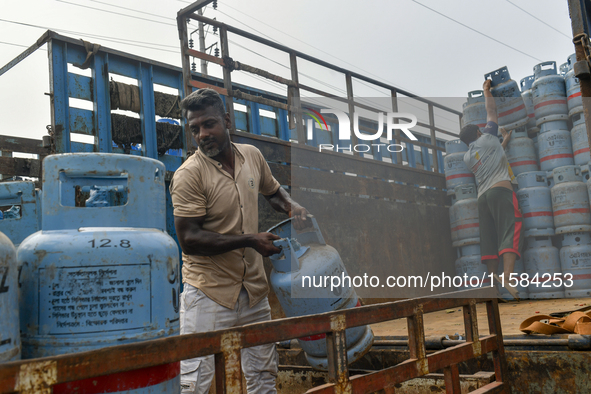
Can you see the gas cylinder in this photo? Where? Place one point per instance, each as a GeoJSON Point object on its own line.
{"type": "Point", "coordinates": [521, 152]}
{"type": "Point", "coordinates": [102, 275]}
{"type": "Point", "coordinates": [519, 270]}
{"type": "Point", "coordinates": [534, 138]}
{"type": "Point", "coordinates": [542, 262]}
{"type": "Point", "coordinates": [554, 144]}
{"type": "Point", "coordinates": [510, 105]}
{"type": "Point", "coordinates": [456, 171]}
{"type": "Point", "coordinates": [575, 259]}
{"type": "Point", "coordinates": [24, 215]}
{"type": "Point", "coordinates": [469, 264]}
{"type": "Point", "coordinates": [535, 202]}
{"type": "Point", "coordinates": [10, 350]}
{"type": "Point", "coordinates": [570, 201]}
{"type": "Point", "coordinates": [464, 215]}
{"type": "Point", "coordinates": [573, 87]}
{"type": "Point", "coordinates": [563, 69]}
{"type": "Point", "coordinates": [525, 84]}
{"type": "Point", "coordinates": [474, 110]}
{"type": "Point", "coordinates": [548, 92]}
{"type": "Point", "coordinates": [580, 140]}
{"type": "Point", "coordinates": [304, 258]}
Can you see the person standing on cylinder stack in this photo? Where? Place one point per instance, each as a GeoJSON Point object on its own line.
{"type": "Point", "coordinates": [215, 199]}
{"type": "Point", "coordinates": [498, 212]}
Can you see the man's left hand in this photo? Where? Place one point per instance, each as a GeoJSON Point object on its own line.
{"type": "Point", "coordinates": [300, 217]}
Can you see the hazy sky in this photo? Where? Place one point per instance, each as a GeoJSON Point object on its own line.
{"type": "Point", "coordinates": [401, 42]}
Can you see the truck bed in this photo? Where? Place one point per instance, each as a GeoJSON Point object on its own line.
{"type": "Point", "coordinates": [512, 313]}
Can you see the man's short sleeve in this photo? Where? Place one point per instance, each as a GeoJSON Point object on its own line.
{"type": "Point", "coordinates": [187, 195]}
{"type": "Point", "coordinates": [268, 185]}
{"type": "Point", "coordinates": [491, 128]}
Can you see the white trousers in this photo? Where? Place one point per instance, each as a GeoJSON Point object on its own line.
{"type": "Point", "coordinates": [199, 313]}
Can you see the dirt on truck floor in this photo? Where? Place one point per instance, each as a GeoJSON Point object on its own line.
{"type": "Point", "coordinates": [451, 321]}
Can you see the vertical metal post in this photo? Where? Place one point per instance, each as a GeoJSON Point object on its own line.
{"type": "Point", "coordinates": [433, 139]}
{"type": "Point", "coordinates": [295, 95]}
{"type": "Point", "coordinates": [471, 322]}
{"type": "Point", "coordinates": [187, 88]}
{"type": "Point", "coordinates": [494, 328]}
{"type": "Point", "coordinates": [202, 43]}
{"type": "Point", "coordinates": [60, 103]}
{"type": "Point", "coordinates": [338, 371]}
{"type": "Point", "coordinates": [102, 103]}
{"type": "Point", "coordinates": [148, 114]}
{"type": "Point", "coordinates": [227, 75]}
{"type": "Point", "coordinates": [398, 155]}
{"type": "Point", "coordinates": [349, 81]}
{"type": "Point", "coordinates": [579, 20]}
{"type": "Point", "coordinates": [451, 376]}
{"type": "Point", "coordinates": [416, 340]}
{"type": "Point", "coordinates": [220, 374]}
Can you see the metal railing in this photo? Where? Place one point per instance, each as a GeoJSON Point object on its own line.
{"type": "Point", "coordinates": [40, 375]}
{"type": "Point", "coordinates": [293, 85]}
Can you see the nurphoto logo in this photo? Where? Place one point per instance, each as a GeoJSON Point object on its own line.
{"type": "Point", "coordinates": [345, 130]}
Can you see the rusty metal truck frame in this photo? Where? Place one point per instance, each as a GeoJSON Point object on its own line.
{"type": "Point", "coordinates": [40, 375]}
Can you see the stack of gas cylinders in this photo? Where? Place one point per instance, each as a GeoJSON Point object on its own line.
{"type": "Point", "coordinates": [94, 266]}
{"type": "Point", "coordinates": [463, 213]}
{"type": "Point", "coordinates": [551, 165]}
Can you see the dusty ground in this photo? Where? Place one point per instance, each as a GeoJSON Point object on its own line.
{"type": "Point", "coordinates": [450, 322]}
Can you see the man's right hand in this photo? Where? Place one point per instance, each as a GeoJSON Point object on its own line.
{"type": "Point", "coordinates": [263, 243]}
{"type": "Point", "coordinates": [486, 85]}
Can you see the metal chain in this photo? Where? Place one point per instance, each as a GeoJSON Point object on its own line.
{"type": "Point", "coordinates": [584, 39]}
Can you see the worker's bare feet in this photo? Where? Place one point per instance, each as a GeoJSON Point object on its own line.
{"type": "Point", "coordinates": [513, 291]}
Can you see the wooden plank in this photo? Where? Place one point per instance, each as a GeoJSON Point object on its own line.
{"type": "Point", "coordinates": [201, 85]}
{"type": "Point", "coordinates": [492, 388]}
{"type": "Point", "coordinates": [383, 238]}
{"type": "Point", "coordinates": [22, 145]}
{"type": "Point", "coordinates": [13, 166]}
{"type": "Point", "coordinates": [283, 151]}
{"type": "Point", "coordinates": [205, 56]}
{"type": "Point", "coordinates": [374, 188]}
{"type": "Point", "coordinates": [366, 167]}
{"type": "Point", "coordinates": [273, 150]}
{"type": "Point", "coordinates": [281, 172]}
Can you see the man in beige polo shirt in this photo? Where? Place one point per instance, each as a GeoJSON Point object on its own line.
{"type": "Point", "coordinates": [215, 199]}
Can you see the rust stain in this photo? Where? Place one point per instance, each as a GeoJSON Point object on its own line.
{"type": "Point", "coordinates": [37, 377]}
{"type": "Point", "coordinates": [338, 323]}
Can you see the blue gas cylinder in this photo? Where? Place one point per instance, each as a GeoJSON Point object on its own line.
{"type": "Point", "coordinates": [10, 341]}
{"type": "Point", "coordinates": [575, 260]}
{"type": "Point", "coordinates": [305, 258]}
{"type": "Point", "coordinates": [24, 215]}
{"type": "Point", "coordinates": [474, 109]}
{"type": "Point", "coordinates": [525, 84]}
{"type": "Point", "coordinates": [521, 152]}
{"type": "Point", "coordinates": [573, 87]}
{"type": "Point", "coordinates": [554, 144]}
{"type": "Point", "coordinates": [464, 216]}
{"type": "Point", "coordinates": [470, 268]}
{"type": "Point", "coordinates": [548, 92]}
{"type": "Point", "coordinates": [510, 105]}
{"type": "Point", "coordinates": [101, 276]}
{"type": "Point", "coordinates": [456, 171]}
{"type": "Point", "coordinates": [542, 265]}
{"type": "Point", "coordinates": [535, 202]}
{"type": "Point", "coordinates": [570, 201]}
{"type": "Point", "coordinates": [579, 139]}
